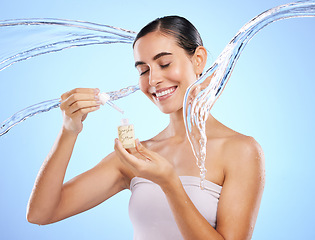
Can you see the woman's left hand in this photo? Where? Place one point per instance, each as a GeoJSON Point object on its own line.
{"type": "Point", "coordinates": [145, 163]}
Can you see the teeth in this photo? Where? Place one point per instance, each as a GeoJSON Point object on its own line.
{"type": "Point", "coordinates": [161, 94]}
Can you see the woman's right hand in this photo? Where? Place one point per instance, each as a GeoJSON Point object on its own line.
{"type": "Point", "coordinates": [75, 106]}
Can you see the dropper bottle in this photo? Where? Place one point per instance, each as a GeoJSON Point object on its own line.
{"type": "Point", "coordinates": [104, 98]}
{"type": "Point", "coordinates": [126, 133]}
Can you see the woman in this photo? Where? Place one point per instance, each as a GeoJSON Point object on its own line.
{"type": "Point", "coordinates": [166, 201]}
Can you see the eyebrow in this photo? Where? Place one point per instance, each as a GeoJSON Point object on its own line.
{"type": "Point", "coordinates": [157, 56]}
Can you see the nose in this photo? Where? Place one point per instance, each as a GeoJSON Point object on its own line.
{"type": "Point", "coordinates": [155, 77]}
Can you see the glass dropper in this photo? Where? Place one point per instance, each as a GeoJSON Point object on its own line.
{"type": "Point", "coordinates": [104, 98]}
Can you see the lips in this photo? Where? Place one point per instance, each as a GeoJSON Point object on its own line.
{"type": "Point", "coordinates": [164, 93]}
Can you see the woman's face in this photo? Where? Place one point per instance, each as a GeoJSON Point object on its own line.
{"type": "Point", "coordinates": [165, 70]}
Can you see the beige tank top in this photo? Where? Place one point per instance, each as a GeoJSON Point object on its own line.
{"type": "Point", "coordinates": [151, 215]}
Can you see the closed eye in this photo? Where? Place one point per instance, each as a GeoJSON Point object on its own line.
{"type": "Point", "coordinates": [144, 72]}
{"type": "Point", "coordinates": [147, 70]}
{"type": "Point", "coordinates": [165, 65]}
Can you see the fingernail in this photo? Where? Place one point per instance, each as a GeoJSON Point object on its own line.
{"type": "Point", "coordinates": [97, 97]}
{"type": "Point", "coordinates": [98, 102]}
{"type": "Point", "coordinates": [96, 91]}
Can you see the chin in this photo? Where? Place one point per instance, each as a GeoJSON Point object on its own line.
{"type": "Point", "coordinates": [169, 110]}
{"type": "Point", "coordinates": [165, 111]}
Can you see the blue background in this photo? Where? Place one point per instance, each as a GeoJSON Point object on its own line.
{"type": "Point", "coordinates": [269, 96]}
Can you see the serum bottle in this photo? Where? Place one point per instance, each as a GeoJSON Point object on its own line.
{"type": "Point", "coordinates": [126, 134]}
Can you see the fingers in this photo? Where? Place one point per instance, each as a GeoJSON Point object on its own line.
{"type": "Point", "coordinates": [94, 91]}
{"type": "Point", "coordinates": [149, 165]}
{"type": "Point", "coordinates": [145, 152]}
{"type": "Point", "coordinates": [80, 100]}
{"type": "Point", "coordinates": [81, 105]}
{"type": "Point", "coordinates": [130, 160]}
{"type": "Point", "coordinates": [80, 97]}
{"type": "Point", "coordinates": [82, 113]}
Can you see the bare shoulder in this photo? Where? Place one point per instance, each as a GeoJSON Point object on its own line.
{"type": "Point", "coordinates": [241, 145]}
{"type": "Point", "coordinates": [243, 185]}
{"type": "Point", "coordinates": [243, 153]}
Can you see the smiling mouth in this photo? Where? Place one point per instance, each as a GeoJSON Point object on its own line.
{"type": "Point", "coordinates": [164, 94]}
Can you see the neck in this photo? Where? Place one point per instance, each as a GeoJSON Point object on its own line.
{"type": "Point", "coordinates": [176, 127]}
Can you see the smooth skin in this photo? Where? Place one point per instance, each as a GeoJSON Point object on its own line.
{"type": "Point", "coordinates": [234, 161]}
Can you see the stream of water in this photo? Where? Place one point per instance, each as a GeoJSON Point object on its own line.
{"type": "Point", "coordinates": [201, 95]}
{"type": "Point", "coordinates": [42, 36]}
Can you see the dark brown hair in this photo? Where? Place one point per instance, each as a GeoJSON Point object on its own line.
{"type": "Point", "coordinates": [184, 32]}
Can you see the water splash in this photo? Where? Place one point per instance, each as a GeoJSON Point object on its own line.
{"type": "Point", "coordinates": [202, 94]}
{"type": "Point", "coordinates": [34, 37]}
{"type": "Point", "coordinates": [46, 106]}
{"type": "Point", "coordinates": [28, 112]}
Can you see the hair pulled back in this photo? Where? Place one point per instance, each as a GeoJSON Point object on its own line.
{"type": "Point", "coordinates": [184, 32]}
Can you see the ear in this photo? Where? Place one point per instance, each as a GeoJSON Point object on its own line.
{"type": "Point", "coordinates": [200, 60]}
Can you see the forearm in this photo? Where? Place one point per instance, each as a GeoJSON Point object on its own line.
{"type": "Point", "coordinates": [47, 189]}
{"type": "Point", "coordinates": [190, 222]}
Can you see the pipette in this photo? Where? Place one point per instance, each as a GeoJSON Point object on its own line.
{"type": "Point", "coordinates": [104, 98]}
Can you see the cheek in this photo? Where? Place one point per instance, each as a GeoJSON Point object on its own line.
{"type": "Point", "coordinates": [144, 85]}
{"type": "Point", "coordinates": [175, 74]}
{"type": "Point", "coordinates": [183, 74]}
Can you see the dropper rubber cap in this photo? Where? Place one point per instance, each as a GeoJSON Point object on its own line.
{"type": "Point", "coordinates": [104, 97]}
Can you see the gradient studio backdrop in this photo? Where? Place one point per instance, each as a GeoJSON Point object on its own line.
{"type": "Point", "coordinates": [269, 96]}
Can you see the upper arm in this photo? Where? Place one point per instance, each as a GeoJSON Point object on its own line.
{"type": "Point", "coordinates": [242, 189]}
{"type": "Point", "coordinates": [91, 188]}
